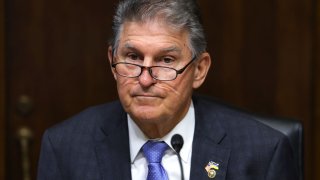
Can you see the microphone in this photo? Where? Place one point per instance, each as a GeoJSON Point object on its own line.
{"type": "Point", "coordinates": [177, 143]}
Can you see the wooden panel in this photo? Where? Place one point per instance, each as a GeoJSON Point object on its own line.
{"type": "Point", "coordinates": [315, 128]}
{"type": "Point", "coordinates": [2, 91]}
{"type": "Point", "coordinates": [56, 53]}
{"type": "Point", "coordinates": [262, 54]}
{"type": "Point", "coordinates": [294, 62]}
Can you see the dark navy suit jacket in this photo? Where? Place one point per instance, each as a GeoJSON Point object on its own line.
{"type": "Point", "coordinates": [94, 145]}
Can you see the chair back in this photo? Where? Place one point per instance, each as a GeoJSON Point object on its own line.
{"type": "Point", "coordinates": [294, 131]}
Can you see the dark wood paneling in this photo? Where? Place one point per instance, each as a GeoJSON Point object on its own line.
{"type": "Point", "coordinates": [261, 55]}
{"type": "Point", "coordinates": [294, 77]}
{"type": "Point", "coordinates": [56, 55]}
{"type": "Point", "coordinates": [315, 126]}
{"type": "Point", "coordinates": [2, 91]}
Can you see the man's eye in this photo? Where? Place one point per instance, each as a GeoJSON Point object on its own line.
{"type": "Point", "coordinates": [167, 60]}
{"type": "Point", "coordinates": [133, 56]}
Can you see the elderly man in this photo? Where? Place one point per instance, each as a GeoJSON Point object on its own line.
{"type": "Point", "coordinates": [158, 129]}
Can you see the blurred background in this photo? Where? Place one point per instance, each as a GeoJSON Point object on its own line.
{"type": "Point", "coordinates": [53, 64]}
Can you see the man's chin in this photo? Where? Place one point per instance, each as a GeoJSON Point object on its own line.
{"type": "Point", "coordinates": [147, 101]}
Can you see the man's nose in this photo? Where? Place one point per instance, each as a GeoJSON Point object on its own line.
{"type": "Point", "coordinates": [145, 79]}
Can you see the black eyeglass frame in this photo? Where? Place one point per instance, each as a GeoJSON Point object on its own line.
{"type": "Point", "coordinates": [180, 71]}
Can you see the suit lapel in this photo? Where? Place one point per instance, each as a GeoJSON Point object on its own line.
{"type": "Point", "coordinates": [113, 153]}
{"type": "Point", "coordinates": [112, 150]}
{"type": "Point", "coordinates": [207, 144]}
{"type": "Point", "coordinates": [203, 152]}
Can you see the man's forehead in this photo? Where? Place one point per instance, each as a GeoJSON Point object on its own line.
{"type": "Point", "coordinates": [152, 26]}
{"type": "Point", "coordinates": [152, 35]}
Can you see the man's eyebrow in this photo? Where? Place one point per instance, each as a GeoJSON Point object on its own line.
{"type": "Point", "coordinates": [164, 50]}
{"type": "Point", "coordinates": [129, 46]}
{"type": "Point", "coordinates": [171, 49]}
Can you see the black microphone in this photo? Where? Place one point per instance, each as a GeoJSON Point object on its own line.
{"type": "Point", "coordinates": [177, 143]}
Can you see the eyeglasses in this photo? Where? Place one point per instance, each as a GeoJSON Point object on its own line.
{"type": "Point", "coordinates": [161, 73]}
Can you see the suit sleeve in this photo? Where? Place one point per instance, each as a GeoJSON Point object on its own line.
{"type": "Point", "coordinates": [48, 168]}
{"type": "Point", "coordinates": [282, 165]}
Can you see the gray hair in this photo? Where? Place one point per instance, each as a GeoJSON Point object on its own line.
{"type": "Point", "coordinates": [179, 14]}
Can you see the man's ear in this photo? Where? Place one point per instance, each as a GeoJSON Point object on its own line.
{"type": "Point", "coordinates": [202, 64]}
{"type": "Point", "coordinates": [110, 54]}
{"type": "Point", "coordinates": [110, 58]}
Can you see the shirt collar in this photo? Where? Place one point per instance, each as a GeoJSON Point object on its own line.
{"type": "Point", "coordinates": [185, 128]}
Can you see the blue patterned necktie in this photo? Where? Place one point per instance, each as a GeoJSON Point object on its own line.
{"type": "Point", "coordinates": [153, 151]}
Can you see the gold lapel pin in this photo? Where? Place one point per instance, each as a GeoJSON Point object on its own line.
{"type": "Point", "coordinates": [211, 169]}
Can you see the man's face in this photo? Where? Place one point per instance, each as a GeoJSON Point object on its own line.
{"type": "Point", "coordinates": [149, 101]}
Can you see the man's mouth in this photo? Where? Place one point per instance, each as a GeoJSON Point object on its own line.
{"type": "Point", "coordinates": [146, 96]}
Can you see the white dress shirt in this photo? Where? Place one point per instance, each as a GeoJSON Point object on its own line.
{"type": "Point", "coordinates": [139, 165]}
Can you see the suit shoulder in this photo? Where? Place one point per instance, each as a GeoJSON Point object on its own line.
{"type": "Point", "coordinates": [234, 120]}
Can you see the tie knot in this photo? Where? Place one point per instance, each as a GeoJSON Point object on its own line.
{"type": "Point", "coordinates": [154, 150]}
